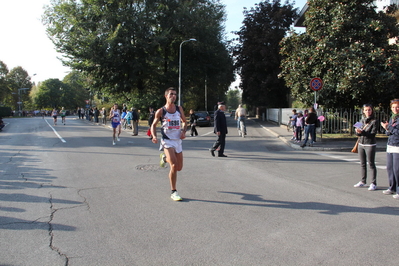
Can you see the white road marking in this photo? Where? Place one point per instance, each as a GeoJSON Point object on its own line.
{"type": "Point", "coordinates": [344, 158]}
{"type": "Point", "coordinates": [55, 131]}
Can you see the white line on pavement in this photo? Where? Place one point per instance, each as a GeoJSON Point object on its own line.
{"type": "Point", "coordinates": [55, 131]}
{"type": "Point", "coordinates": [344, 158]}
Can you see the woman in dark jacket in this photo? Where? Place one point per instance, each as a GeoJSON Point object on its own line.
{"type": "Point", "coordinates": [310, 127]}
{"type": "Point", "coordinates": [193, 123]}
{"type": "Point", "coordinates": [367, 146]}
{"type": "Point", "coordinates": [392, 131]}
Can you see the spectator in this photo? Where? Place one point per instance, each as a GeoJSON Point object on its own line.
{"type": "Point", "coordinates": [367, 146]}
{"type": "Point", "coordinates": [193, 123]}
{"type": "Point", "coordinates": [293, 123]}
{"type": "Point", "coordinates": [135, 122]}
{"type": "Point", "coordinates": [310, 127]}
{"type": "Point", "coordinates": [392, 131]}
{"type": "Point", "coordinates": [299, 125]}
{"type": "Point", "coordinates": [220, 129]}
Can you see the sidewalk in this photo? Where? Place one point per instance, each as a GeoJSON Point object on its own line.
{"type": "Point", "coordinates": [324, 144]}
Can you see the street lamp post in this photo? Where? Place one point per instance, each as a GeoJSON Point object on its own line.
{"type": "Point", "coordinates": [194, 40]}
{"type": "Point", "coordinates": [19, 94]}
{"type": "Point", "coordinates": [19, 100]}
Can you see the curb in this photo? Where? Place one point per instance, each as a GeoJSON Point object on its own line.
{"type": "Point", "coordinates": [317, 148]}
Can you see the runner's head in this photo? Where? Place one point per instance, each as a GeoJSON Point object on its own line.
{"type": "Point", "coordinates": [170, 94]}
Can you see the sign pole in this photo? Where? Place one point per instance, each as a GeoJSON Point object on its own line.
{"type": "Point", "coordinates": [315, 92]}
{"type": "Point", "coordinates": [316, 84]}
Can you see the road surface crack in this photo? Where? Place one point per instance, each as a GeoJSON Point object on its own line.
{"type": "Point", "coordinates": [51, 233]}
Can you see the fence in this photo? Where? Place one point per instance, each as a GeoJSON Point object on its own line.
{"type": "Point", "coordinates": [337, 121]}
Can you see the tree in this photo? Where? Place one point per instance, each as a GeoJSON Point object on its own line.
{"type": "Point", "coordinates": [346, 45]}
{"type": "Point", "coordinates": [131, 47]}
{"type": "Point", "coordinates": [233, 98]}
{"type": "Point", "coordinates": [4, 90]}
{"type": "Point", "coordinates": [257, 53]}
{"type": "Point", "coordinates": [51, 94]}
{"type": "Point", "coordinates": [77, 84]}
{"type": "Point", "coordinates": [19, 83]}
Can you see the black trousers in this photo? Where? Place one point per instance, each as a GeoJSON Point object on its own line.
{"type": "Point", "coordinates": [367, 154]}
{"type": "Point", "coordinates": [220, 143]}
{"type": "Point", "coordinates": [193, 131]}
{"type": "Point", "coordinates": [393, 170]}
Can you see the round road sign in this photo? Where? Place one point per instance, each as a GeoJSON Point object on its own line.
{"type": "Point", "coordinates": [316, 84]}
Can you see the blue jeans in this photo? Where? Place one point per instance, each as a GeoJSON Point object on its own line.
{"type": "Point", "coordinates": [309, 130]}
{"type": "Point", "coordinates": [238, 123]}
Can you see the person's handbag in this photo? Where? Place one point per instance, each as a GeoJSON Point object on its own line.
{"type": "Point", "coordinates": [354, 150]}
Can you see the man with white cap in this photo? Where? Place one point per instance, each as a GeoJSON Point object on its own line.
{"type": "Point", "coordinates": [220, 129]}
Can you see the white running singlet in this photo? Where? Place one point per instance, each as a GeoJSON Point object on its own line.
{"type": "Point", "coordinates": [171, 124]}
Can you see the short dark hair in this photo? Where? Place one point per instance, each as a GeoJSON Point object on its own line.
{"type": "Point", "coordinates": [169, 89]}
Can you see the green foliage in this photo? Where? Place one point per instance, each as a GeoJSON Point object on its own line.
{"type": "Point", "coordinates": [257, 54]}
{"type": "Point", "coordinates": [69, 93]}
{"type": "Point", "coordinates": [17, 84]}
{"type": "Point", "coordinates": [49, 94]}
{"type": "Point", "coordinates": [346, 45]}
{"type": "Point", "coordinates": [130, 48]}
{"type": "Point", "coordinates": [233, 98]}
{"type": "Point", "coordinates": [4, 90]}
{"type": "Point", "coordinates": [77, 84]}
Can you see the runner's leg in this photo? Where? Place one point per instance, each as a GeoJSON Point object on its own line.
{"type": "Point", "coordinates": [175, 161]}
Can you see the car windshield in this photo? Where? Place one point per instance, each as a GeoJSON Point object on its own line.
{"type": "Point", "coordinates": [201, 114]}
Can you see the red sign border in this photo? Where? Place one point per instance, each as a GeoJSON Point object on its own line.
{"type": "Point", "coordinates": [313, 79]}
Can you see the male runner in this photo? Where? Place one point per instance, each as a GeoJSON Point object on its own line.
{"type": "Point", "coordinates": [173, 130]}
{"type": "Point", "coordinates": [115, 116]}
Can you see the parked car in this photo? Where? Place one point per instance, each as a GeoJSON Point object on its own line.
{"type": "Point", "coordinates": [212, 114]}
{"type": "Point", "coordinates": [204, 119]}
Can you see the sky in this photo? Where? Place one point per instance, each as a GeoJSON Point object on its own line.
{"type": "Point", "coordinates": [24, 41]}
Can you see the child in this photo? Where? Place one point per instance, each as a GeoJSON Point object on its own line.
{"type": "Point", "coordinates": [299, 125]}
{"type": "Point", "coordinates": [293, 123]}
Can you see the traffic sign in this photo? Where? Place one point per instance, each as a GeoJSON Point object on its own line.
{"type": "Point", "coordinates": [316, 84]}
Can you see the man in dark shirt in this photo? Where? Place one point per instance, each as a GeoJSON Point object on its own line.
{"type": "Point", "coordinates": [220, 129]}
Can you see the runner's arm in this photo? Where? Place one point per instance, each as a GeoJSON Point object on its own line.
{"type": "Point", "coordinates": [157, 118]}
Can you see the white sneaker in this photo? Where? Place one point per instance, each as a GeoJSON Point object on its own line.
{"type": "Point", "coordinates": [163, 160]}
{"type": "Point", "coordinates": [396, 196]}
{"type": "Point", "coordinates": [174, 196]}
{"type": "Point", "coordinates": [388, 192]}
{"type": "Point", "coordinates": [360, 184]}
{"type": "Point", "coordinates": [113, 143]}
{"type": "Point", "coordinates": [118, 139]}
{"type": "Point", "coordinates": [372, 187]}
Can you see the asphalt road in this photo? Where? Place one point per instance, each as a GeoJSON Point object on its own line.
{"type": "Point", "coordinates": [74, 199]}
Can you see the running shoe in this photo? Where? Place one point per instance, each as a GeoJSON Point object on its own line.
{"type": "Point", "coordinates": [163, 159]}
{"type": "Point", "coordinates": [396, 196]}
{"type": "Point", "coordinates": [174, 196]}
{"type": "Point", "coordinates": [388, 192]}
{"type": "Point", "coordinates": [372, 187]}
{"type": "Point", "coordinates": [113, 143]}
{"type": "Point", "coordinates": [118, 139]}
{"type": "Point", "coordinates": [360, 184]}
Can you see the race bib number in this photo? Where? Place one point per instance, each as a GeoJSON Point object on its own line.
{"type": "Point", "coordinates": [173, 124]}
